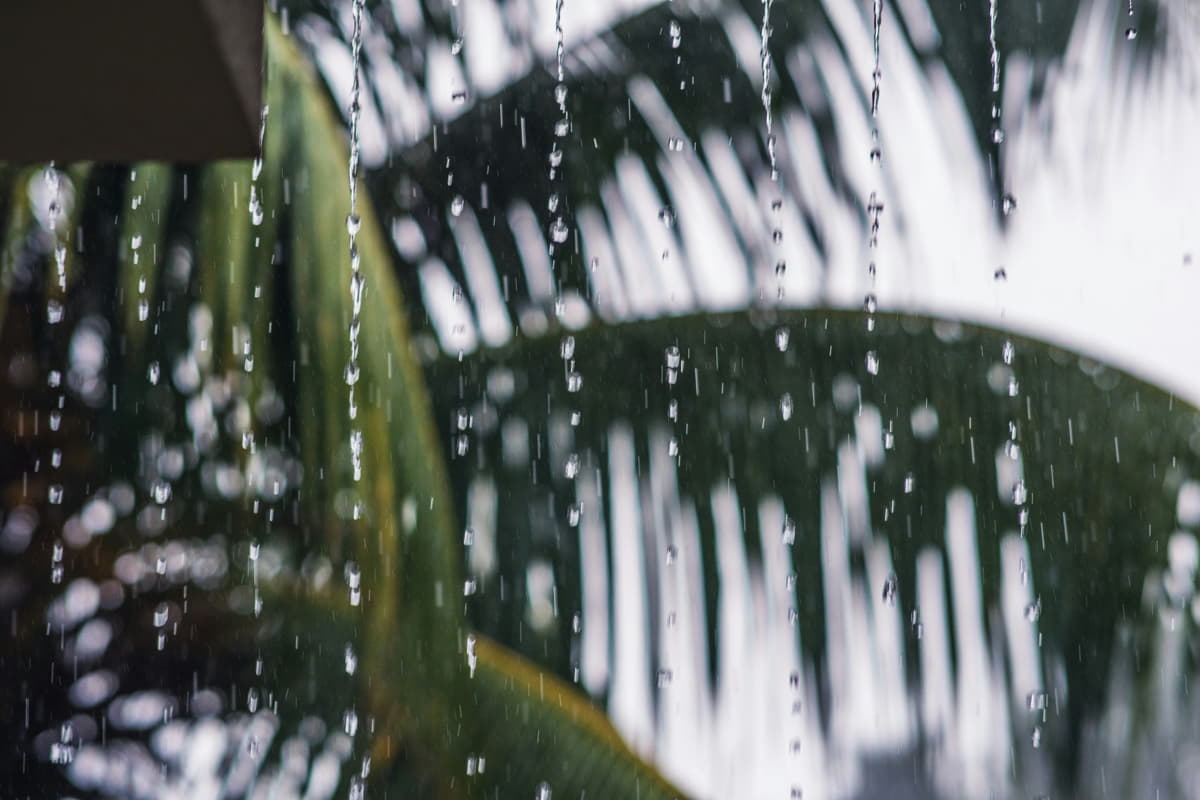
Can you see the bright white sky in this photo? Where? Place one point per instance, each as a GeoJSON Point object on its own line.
{"type": "Point", "coordinates": [1102, 253]}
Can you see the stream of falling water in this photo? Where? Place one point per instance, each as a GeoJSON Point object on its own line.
{"type": "Point", "coordinates": [874, 203]}
{"type": "Point", "coordinates": [352, 571]}
{"type": "Point", "coordinates": [357, 282]}
{"type": "Point", "coordinates": [55, 311]}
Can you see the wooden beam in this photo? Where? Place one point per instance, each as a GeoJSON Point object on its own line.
{"type": "Point", "coordinates": [130, 80]}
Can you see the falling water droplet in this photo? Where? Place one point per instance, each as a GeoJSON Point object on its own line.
{"type": "Point", "coordinates": [870, 303]}
{"type": "Point", "coordinates": [891, 586]}
{"type": "Point", "coordinates": [910, 482]}
{"type": "Point", "coordinates": [558, 230]}
{"type": "Point", "coordinates": [789, 531]}
{"type": "Point", "coordinates": [785, 406]}
{"type": "Point", "coordinates": [574, 382]}
{"type": "Point", "coordinates": [572, 466]}
{"type": "Point", "coordinates": [666, 215]}
{"type": "Point", "coordinates": [1033, 610]}
{"type": "Point", "coordinates": [781, 339]}
{"type": "Point", "coordinates": [54, 312]}
{"type": "Point", "coordinates": [872, 362]}
{"type": "Point", "coordinates": [1008, 204]}
{"type": "Point", "coordinates": [676, 34]}
{"type": "Point", "coordinates": [456, 46]}
{"type": "Point", "coordinates": [780, 268]}
{"type": "Point", "coordinates": [456, 205]}
{"type": "Point", "coordinates": [1131, 34]}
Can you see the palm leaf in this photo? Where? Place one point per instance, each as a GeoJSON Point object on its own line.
{"type": "Point", "coordinates": [911, 471]}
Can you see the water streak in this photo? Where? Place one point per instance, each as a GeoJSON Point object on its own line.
{"type": "Point", "coordinates": [765, 56]}
{"type": "Point", "coordinates": [357, 282]}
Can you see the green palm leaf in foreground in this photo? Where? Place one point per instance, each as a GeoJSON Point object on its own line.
{"type": "Point", "coordinates": [223, 308]}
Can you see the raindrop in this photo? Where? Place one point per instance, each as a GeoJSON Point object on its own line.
{"type": "Point", "coordinates": [872, 362]}
{"type": "Point", "coordinates": [789, 531]}
{"type": "Point", "coordinates": [562, 127]}
{"type": "Point", "coordinates": [560, 93]}
{"type": "Point", "coordinates": [890, 589]}
{"type": "Point", "coordinates": [785, 406]}
{"type": "Point", "coordinates": [459, 97]}
{"type": "Point", "coordinates": [56, 494]}
{"type": "Point", "coordinates": [673, 410]}
{"type": "Point", "coordinates": [910, 481]}
{"type": "Point", "coordinates": [54, 312]}
{"type": "Point", "coordinates": [1019, 493]}
{"type": "Point", "coordinates": [566, 348]}
{"type": "Point", "coordinates": [351, 660]}
{"type": "Point", "coordinates": [152, 373]}
{"type": "Point", "coordinates": [675, 144]}
{"type": "Point", "coordinates": [1131, 34]}
{"type": "Point", "coordinates": [672, 554]}
{"type": "Point", "coordinates": [469, 537]}
{"type": "Point", "coordinates": [1033, 610]}
{"type": "Point", "coordinates": [543, 791]}
{"type": "Point", "coordinates": [456, 205]}
{"type": "Point", "coordinates": [572, 467]}
{"type": "Point", "coordinates": [673, 447]}
{"type": "Point", "coordinates": [777, 236]}
{"type": "Point", "coordinates": [558, 230]}
{"type": "Point", "coordinates": [1008, 204]}
{"type": "Point", "coordinates": [1014, 388]}
{"type": "Point", "coordinates": [674, 359]}
{"type": "Point", "coordinates": [1008, 351]}
{"type": "Point", "coordinates": [556, 157]}
{"type": "Point", "coordinates": [143, 309]}
{"type": "Point", "coordinates": [574, 382]}
{"type": "Point", "coordinates": [160, 615]}
{"type": "Point", "coordinates": [676, 34]}
{"type": "Point", "coordinates": [573, 514]}
{"type": "Point", "coordinates": [1037, 736]}
{"type": "Point", "coordinates": [666, 215]}
{"type": "Point", "coordinates": [664, 678]}
{"type": "Point", "coordinates": [552, 202]}
{"type": "Point", "coordinates": [353, 223]}
{"type": "Point", "coordinates": [456, 46]}
{"type": "Point", "coordinates": [781, 339]}
{"type": "Point", "coordinates": [870, 303]}
{"type": "Point", "coordinates": [350, 722]}
{"type": "Point", "coordinates": [780, 268]}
